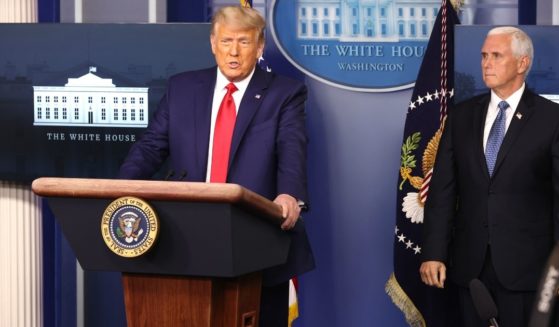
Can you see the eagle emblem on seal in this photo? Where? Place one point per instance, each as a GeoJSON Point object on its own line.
{"type": "Point", "coordinates": [129, 227]}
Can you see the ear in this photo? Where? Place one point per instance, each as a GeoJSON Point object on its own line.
{"type": "Point", "coordinates": [212, 42]}
{"type": "Point", "coordinates": [260, 51]}
{"type": "Point", "coordinates": [523, 64]}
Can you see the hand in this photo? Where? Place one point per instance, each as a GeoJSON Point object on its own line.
{"type": "Point", "coordinates": [290, 210]}
{"type": "Point", "coordinates": [433, 273]}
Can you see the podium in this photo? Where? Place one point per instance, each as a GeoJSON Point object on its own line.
{"type": "Point", "coordinates": [205, 267]}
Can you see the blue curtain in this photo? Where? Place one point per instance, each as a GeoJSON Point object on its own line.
{"type": "Point", "coordinates": [193, 11]}
{"type": "Point", "coordinates": [527, 12]}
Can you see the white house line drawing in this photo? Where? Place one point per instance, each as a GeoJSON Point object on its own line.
{"type": "Point", "coordinates": [90, 101]}
{"type": "Point", "coordinates": [366, 20]}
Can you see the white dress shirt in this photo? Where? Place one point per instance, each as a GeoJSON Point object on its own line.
{"type": "Point", "coordinates": [493, 110]}
{"type": "Point", "coordinates": [219, 93]}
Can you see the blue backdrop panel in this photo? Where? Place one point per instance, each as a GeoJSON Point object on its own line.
{"type": "Point", "coordinates": [49, 138]}
{"type": "Point", "coordinates": [354, 151]}
{"type": "Point", "coordinates": [544, 74]}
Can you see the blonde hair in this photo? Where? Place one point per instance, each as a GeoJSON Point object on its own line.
{"type": "Point", "coordinates": [240, 17]}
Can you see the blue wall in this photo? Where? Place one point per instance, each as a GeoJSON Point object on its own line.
{"type": "Point", "coordinates": [354, 155]}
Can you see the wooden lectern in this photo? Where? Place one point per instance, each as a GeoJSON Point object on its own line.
{"type": "Point", "coordinates": [204, 269]}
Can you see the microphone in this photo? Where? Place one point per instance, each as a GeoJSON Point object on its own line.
{"type": "Point", "coordinates": [544, 303]}
{"type": "Point", "coordinates": [182, 175]}
{"type": "Point", "coordinates": [170, 174]}
{"type": "Point", "coordinates": [485, 306]}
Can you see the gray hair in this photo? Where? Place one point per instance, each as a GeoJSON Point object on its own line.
{"type": "Point", "coordinates": [521, 44]}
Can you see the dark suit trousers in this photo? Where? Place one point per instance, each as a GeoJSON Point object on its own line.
{"type": "Point", "coordinates": [514, 307]}
{"type": "Point", "coordinates": [274, 303]}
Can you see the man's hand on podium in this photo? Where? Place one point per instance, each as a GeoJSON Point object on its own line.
{"type": "Point", "coordinates": [290, 210]}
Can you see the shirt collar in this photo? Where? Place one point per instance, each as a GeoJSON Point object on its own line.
{"type": "Point", "coordinates": [513, 100]}
{"type": "Point", "coordinates": [222, 81]}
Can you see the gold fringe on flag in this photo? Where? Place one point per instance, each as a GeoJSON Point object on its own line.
{"type": "Point", "coordinates": [293, 312]}
{"type": "Point", "coordinates": [457, 4]}
{"type": "Point", "coordinates": [245, 3]}
{"type": "Point", "coordinates": [404, 303]}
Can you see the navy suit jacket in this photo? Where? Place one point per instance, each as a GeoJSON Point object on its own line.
{"type": "Point", "coordinates": [513, 213]}
{"type": "Point", "coordinates": [268, 149]}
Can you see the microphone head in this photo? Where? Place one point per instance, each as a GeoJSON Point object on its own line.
{"type": "Point", "coordinates": [485, 306]}
{"type": "Point", "coordinates": [543, 313]}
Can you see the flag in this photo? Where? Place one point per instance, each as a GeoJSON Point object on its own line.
{"type": "Point", "coordinates": [292, 305]}
{"type": "Point", "coordinates": [422, 305]}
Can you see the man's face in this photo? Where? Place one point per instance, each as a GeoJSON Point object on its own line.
{"type": "Point", "coordinates": [502, 71]}
{"type": "Point", "coordinates": [236, 50]}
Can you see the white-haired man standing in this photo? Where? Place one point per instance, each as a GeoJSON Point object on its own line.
{"type": "Point", "coordinates": [491, 212]}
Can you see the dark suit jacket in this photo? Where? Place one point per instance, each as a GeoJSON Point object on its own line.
{"type": "Point", "coordinates": [514, 212]}
{"type": "Point", "coordinates": [268, 149]}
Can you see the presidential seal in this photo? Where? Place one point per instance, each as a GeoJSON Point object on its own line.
{"type": "Point", "coordinates": [129, 227]}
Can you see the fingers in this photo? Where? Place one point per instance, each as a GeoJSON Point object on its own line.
{"type": "Point", "coordinates": [290, 210]}
{"type": "Point", "coordinates": [433, 273]}
{"type": "Point", "coordinates": [289, 223]}
{"type": "Point", "coordinates": [442, 276]}
{"type": "Point", "coordinates": [291, 215]}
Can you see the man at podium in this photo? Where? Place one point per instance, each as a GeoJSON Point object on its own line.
{"type": "Point", "coordinates": [236, 123]}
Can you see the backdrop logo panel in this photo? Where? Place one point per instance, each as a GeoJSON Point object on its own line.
{"type": "Point", "coordinates": [83, 102]}
{"type": "Point", "coordinates": [361, 45]}
{"type": "Point", "coordinates": [74, 97]}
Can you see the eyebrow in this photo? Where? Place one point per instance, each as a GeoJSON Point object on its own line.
{"type": "Point", "coordinates": [244, 37]}
{"type": "Point", "coordinates": [491, 52]}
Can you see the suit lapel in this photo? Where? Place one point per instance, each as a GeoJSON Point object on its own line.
{"type": "Point", "coordinates": [479, 126]}
{"type": "Point", "coordinates": [524, 111]}
{"type": "Point", "coordinates": [203, 94]}
{"type": "Point", "coordinates": [250, 103]}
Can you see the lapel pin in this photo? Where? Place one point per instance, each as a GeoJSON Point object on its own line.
{"type": "Point", "coordinates": [257, 96]}
{"type": "Point", "coordinates": [518, 115]}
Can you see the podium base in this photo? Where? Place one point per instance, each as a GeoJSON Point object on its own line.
{"type": "Point", "coordinates": [170, 301]}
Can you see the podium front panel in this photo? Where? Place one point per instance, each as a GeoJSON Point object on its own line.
{"type": "Point", "coordinates": [195, 239]}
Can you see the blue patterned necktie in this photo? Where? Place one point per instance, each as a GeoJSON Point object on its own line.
{"type": "Point", "coordinates": [496, 135]}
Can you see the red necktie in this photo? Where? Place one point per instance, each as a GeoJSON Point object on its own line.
{"type": "Point", "coordinates": [223, 133]}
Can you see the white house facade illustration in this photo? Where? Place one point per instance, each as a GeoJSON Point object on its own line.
{"type": "Point", "coordinates": [90, 101]}
{"type": "Point", "coordinates": [366, 20]}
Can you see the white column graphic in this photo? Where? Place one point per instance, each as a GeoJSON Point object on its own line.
{"type": "Point", "coordinates": [18, 11]}
{"type": "Point", "coordinates": [21, 299]}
